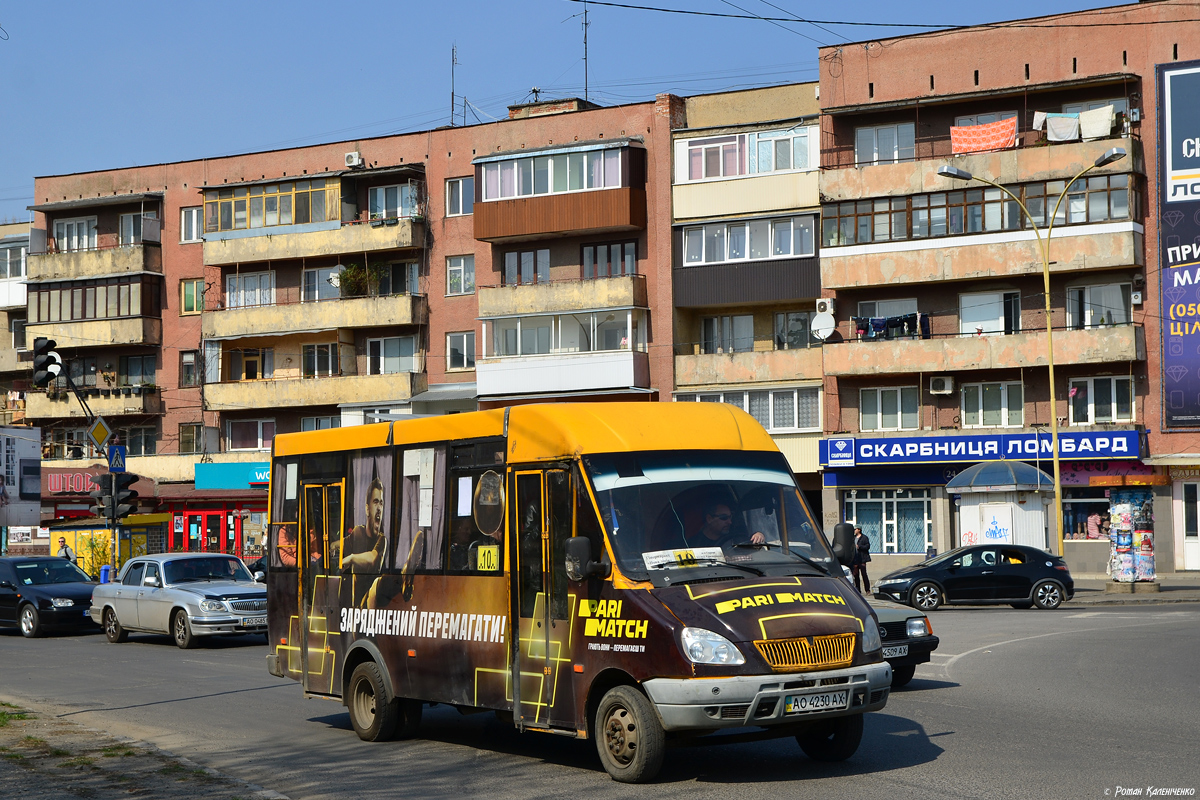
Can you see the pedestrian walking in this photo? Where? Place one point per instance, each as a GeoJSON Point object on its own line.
{"type": "Point", "coordinates": [64, 551]}
{"type": "Point", "coordinates": [862, 555]}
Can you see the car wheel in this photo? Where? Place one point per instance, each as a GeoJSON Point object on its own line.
{"type": "Point", "coordinates": [372, 713]}
{"type": "Point", "coordinates": [926, 597]}
{"type": "Point", "coordinates": [902, 675]}
{"type": "Point", "coordinates": [31, 622]}
{"type": "Point", "coordinates": [1047, 595]}
{"type": "Point", "coordinates": [181, 631]}
{"type": "Point", "coordinates": [112, 627]}
{"type": "Point", "coordinates": [832, 740]}
{"type": "Point", "coordinates": [629, 736]}
{"type": "Point", "coordinates": [1022, 605]}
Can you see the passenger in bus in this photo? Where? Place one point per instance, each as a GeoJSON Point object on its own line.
{"type": "Point", "coordinates": [286, 546]}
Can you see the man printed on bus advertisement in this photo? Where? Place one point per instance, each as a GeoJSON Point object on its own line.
{"type": "Point", "coordinates": [365, 546]}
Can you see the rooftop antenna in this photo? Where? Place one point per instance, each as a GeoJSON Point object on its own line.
{"type": "Point", "coordinates": [453, 64]}
{"type": "Point", "coordinates": [536, 92]}
{"type": "Point", "coordinates": [585, 52]}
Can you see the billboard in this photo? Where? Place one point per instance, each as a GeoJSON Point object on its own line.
{"type": "Point", "coordinates": [1179, 240]}
{"type": "Point", "coordinates": [21, 485]}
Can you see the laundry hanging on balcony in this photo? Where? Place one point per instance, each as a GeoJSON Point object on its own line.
{"type": "Point", "coordinates": [1097, 123]}
{"type": "Point", "coordinates": [1062, 127]}
{"type": "Point", "coordinates": [980, 138]}
{"type": "Point", "coordinates": [1039, 120]}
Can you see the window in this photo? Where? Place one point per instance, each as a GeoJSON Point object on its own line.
{"type": "Point", "coordinates": [609, 260]}
{"type": "Point", "coordinates": [775, 151]}
{"type": "Point", "coordinates": [12, 262]}
{"type": "Point", "coordinates": [793, 330]}
{"type": "Point", "coordinates": [885, 309]}
{"type": "Point", "coordinates": [96, 299]}
{"type": "Point", "coordinates": [67, 443]}
{"type": "Point", "coordinates": [320, 360]}
{"type": "Point", "coordinates": [460, 275]}
{"type": "Point", "coordinates": [398, 279]}
{"type": "Point", "coordinates": [460, 350]}
{"type": "Point", "coordinates": [75, 234]}
{"type": "Point", "coordinates": [137, 370]}
{"type": "Point", "coordinates": [139, 441]}
{"type": "Point", "coordinates": [191, 438]}
{"type": "Point", "coordinates": [460, 196]}
{"type": "Point", "coordinates": [393, 202]}
{"type": "Point", "coordinates": [321, 284]}
{"type": "Point", "coordinates": [788, 237]}
{"type": "Point", "coordinates": [989, 312]}
{"type": "Point", "coordinates": [895, 520]}
{"type": "Point", "coordinates": [716, 157]}
{"type": "Point", "coordinates": [251, 365]}
{"type": "Point", "coordinates": [191, 224]}
{"type": "Point", "coordinates": [1096, 400]}
{"type": "Point", "coordinates": [983, 119]}
{"type": "Point", "coordinates": [320, 423]}
{"type": "Point", "coordinates": [189, 375]}
{"type": "Point", "coordinates": [885, 144]}
{"type": "Point", "coordinates": [1120, 106]}
{"type": "Point", "coordinates": [131, 226]}
{"type": "Point", "coordinates": [265, 206]}
{"type": "Point", "coordinates": [250, 434]}
{"type": "Point", "coordinates": [731, 334]}
{"type": "Point", "coordinates": [250, 289]}
{"type": "Point", "coordinates": [892, 409]}
{"type": "Point", "coordinates": [1098, 306]}
{"type": "Point", "coordinates": [993, 405]}
{"type": "Point", "coordinates": [530, 266]}
{"type": "Point", "coordinates": [582, 332]}
{"type": "Point", "coordinates": [192, 296]}
{"type": "Point", "coordinates": [392, 355]}
{"type": "Point", "coordinates": [551, 174]}
{"type": "Point", "coordinates": [16, 325]}
{"type": "Point", "coordinates": [776, 410]}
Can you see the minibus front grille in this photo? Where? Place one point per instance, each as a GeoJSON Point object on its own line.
{"type": "Point", "coordinates": [819, 652]}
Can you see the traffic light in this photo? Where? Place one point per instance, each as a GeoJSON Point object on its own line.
{"type": "Point", "coordinates": [124, 497]}
{"type": "Point", "coordinates": [102, 494]}
{"type": "Point", "coordinates": [47, 364]}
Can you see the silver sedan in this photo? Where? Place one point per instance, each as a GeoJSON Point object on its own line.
{"type": "Point", "coordinates": [186, 595]}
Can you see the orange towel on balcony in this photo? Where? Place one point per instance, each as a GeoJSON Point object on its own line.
{"type": "Point", "coordinates": [981, 138]}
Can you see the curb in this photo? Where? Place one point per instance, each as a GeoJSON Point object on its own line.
{"type": "Point", "coordinates": [1130, 601]}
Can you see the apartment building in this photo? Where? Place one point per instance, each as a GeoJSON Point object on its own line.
{"type": "Point", "coordinates": [939, 360]}
{"type": "Point", "coordinates": [204, 306]}
{"type": "Point", "coordinates": [745, 270]}
{"type": "Point", "coordinates": [15, 369]}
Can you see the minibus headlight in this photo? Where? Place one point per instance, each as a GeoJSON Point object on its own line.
{"type": "Point", "coordinates": [706, 647]}
{"type": "Point", "coordinates": [871, 641]}
{"type": "Point", "coordinates": [211, 605]}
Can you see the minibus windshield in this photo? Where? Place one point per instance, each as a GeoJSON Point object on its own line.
{"type": "Point", "coordinates": [673, 509]}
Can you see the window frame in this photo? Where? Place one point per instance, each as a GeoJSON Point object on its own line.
{"type": "Point", "coordinates": [971, 120]}
{"type": "Point", "coordinates": [310, 353]}
{"type": "Point", "coordinates": [783, 342]}
{"type": "Point", "coordinates": [135, 220]}
{"type": "Point", "coordinates": [1079, 299]}
{"type": "Point", "coordinates": [136, 438]}
{"type": "Point", "coordinates": [7, 251]}
{"type": "Point", "coordinates": [380, 361]}
{"type": "Point", "coordinates": [74, 222]}
{"type": "Point", "coordinates": [221, 205]}
{"type": "Point", "coordinates": [197, 435]}
{"type": "Point", "coordinates": [463, 194]}
{"type": "Point", "coordinates": [705, 234]}
{"type": "Point", "coordinates": [197, 224]}
{"type": "Point", "coordinates": [518, 271]}
{"type": "Point", "coordinates": [184, 382]}
{"type": "Point", "coordinates": [744, 399]}
{"type": "Point", "coordinates": [123, 374]}
{"type": "Point", "coordinates": [879, 410]}
{"type": "Point", "coordinates": [314, 423]}
{"type": "Point", "coordinates": [718, 331]}
{"type": "Point", "coordinates": [465, 265]}
{"type": "Point", "coordinates": [898, 150]}
{"type": "Point", "coordinates": [1090, 389]}
{"type": "Point", "coordinates": [589, 267]}
{"type": "Point", "coordinates": [527, 168]}
{"type": "Point", "coordinates": [407, 194]}
{"type": "Point", "coordinates": [197, 285]}
{"type": "Point", "coordinates": [1008, 321]}
{"type": "Point", "coordinates": [1006, 405]}
{"type": "Point", "coordinates": [263, 443]}
{"type": "Point", "coordinates": [470, 353]}
{"type": "Point", "coordinates": [809, 133]}
{"type": "Point", "coordinates": [240, 278]}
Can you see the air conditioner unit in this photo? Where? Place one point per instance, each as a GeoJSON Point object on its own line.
{"type": "Point", "coordinates": [941, 384]}
{"type": "Point", "coordinates": [826, 305]}
{"type": "Point", "coordinates": [354, 159]}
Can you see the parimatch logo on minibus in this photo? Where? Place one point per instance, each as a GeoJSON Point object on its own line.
{"type": "Point", "coordinates": [603, 618]}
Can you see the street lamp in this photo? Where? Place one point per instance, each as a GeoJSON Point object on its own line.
{"type": "Point", "coordinates": [1111, 155]}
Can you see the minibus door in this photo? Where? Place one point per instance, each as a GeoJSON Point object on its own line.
{"type": "Point", "coordinates": [543, 522]}
{"type": "Point", "coordinates": [321, 523]}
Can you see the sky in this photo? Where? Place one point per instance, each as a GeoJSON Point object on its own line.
{"type": "Point", "coordinates": [89, 85]}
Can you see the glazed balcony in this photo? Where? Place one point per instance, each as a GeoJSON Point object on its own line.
{"type": "Point", "coordinates": [765, 366]}
{"type": "Point", "coordinates": [576, 213]}
{"type": "Point", "coordinates": [301, 392]}
{"type": "Point", "coordinates": [117, 402]}
{"type": "Point", "coordinates": [308, 241]}
{"type": "Point", "coordinates": [626, 291]}
{"type": "Point", "coordinates": [99, 332]}
{"type": "Point", "coordinates": [352, 312]}
{"type": "Point", "coordinates": [95, 263]}
{"type": "Point", "coordinates": [1102, 345]}
{"type": "Point", "coordinates": [562, 372]}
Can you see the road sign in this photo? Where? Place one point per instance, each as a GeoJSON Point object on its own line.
{"type": "Point", "coordinates": [116, 458]}
{"type": "Point", "coordinates": [99, 433]}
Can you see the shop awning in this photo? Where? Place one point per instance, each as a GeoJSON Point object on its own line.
{"type": "Point", "coordinates": [1000, 476]}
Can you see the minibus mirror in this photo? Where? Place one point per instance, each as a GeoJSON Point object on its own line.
{"type": "Point", "coordinates": [579, 559]}
{"type": "Point", "coordinates": [843, 542]}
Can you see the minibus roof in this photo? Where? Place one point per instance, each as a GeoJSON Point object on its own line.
{"type": "Point", "coordinates": [550, 431]}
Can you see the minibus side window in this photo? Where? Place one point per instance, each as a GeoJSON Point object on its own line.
{"type": "Point", "coordinates": [586, 522]}
{"type": "Point", "coordinates": [285, 514]}
{"type": "Point", "coordinates": [368, 528]}
{"type": "Point", "coordinates": [420, 543]}
{"type": "Point", "coordinates": [558, 489]}
{"type": "Point", "coordinates": [476, 521]}
{"type": "Point", "coordinates": [528, 513]}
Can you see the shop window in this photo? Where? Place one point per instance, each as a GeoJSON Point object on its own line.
{"type": "Point", "coordinates": [1099, 306]}
{"type": "Point", "coordinates": [1100, 400]}
{"type": "Point", "coordinates": [989, 312]}
{"type": "Point", "coordinates": [895, 520]}
{"type": "Point", "coordinates": [890, 409]}
{"type": "Point", "coordinates": [992, 405]}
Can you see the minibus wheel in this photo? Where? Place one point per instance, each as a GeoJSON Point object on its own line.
{"type": "Point", "coordinates": [832, 740]}
{"type": "Point", "coordinates": [629, 736]}
{"type": "Point", "coordinates": [373, 714]}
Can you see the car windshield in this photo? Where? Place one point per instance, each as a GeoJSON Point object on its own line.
{"type": "Point", "coordinates": [50, 570]}
{"type": "Point", "coordinates": [664, 510]}
{"type": "Point", "coordinates": [212, 568]}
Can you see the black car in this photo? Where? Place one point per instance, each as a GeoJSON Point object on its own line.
{"type": "Point", "coordinates": [984, 574]}
{"type": "Point", "coordinates": [40, 593]}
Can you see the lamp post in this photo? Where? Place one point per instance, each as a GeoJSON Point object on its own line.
{"type": "Point", "coordinates": [1114, 154]}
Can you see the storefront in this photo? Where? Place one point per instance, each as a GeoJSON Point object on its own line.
{"type": "Point", "coordinates": [1185, 513]}
{"type": "Point", "coordinates": [224, 511]}
{"type": "Point", "coordinates": [65, 492]}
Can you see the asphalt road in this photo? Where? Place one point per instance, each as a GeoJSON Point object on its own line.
{"type": "Point", "coordinates": [1016, 704]}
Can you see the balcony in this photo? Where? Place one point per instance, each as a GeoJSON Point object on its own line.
{"type": "Point", "coordinates": [300, 392]}
{"type": "Point", "coordinates": [966, 353]}
{"type": "Point", "coordinates": [99, 332]}
{"type": "Point", "coordinates": [576, 213]}
{"type": "Point", "coordinates": [317, 239]}
{"type": "Point", "coordinates": [766, 366]}
{"type": "Point", "coordinates": [627, 291]}
{"type": "Point", "coordinates": [354, 312]}
{"type": "Point", "coordinates": [562, 372]}
{"type": "Point", "coordinates": [99, 263]}
{"type": "Point", "coordinates": [759, 194]}
{"type": "Point", "coordinates": [11, 360]}
{"type": "Point", "coordinates": [109, 403]}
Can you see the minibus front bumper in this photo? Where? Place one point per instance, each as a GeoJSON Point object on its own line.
{"type": "Point", "coordinates": [693, 704]}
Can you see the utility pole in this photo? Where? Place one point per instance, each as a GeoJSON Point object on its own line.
{"type": "Point", "coordinates": [585, 53]}
{"type": "Point", "coordinates": [453, 64]}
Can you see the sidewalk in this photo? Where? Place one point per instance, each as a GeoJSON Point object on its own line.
{"type": "Point", "coordinates": [1176, 587]}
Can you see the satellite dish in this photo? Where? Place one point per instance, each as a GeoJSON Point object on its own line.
{"type": "Point", "coordinates": [823, 325]}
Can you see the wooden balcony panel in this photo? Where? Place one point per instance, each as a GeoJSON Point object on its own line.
{"type": "Point", "coordinates": [604, 210]}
